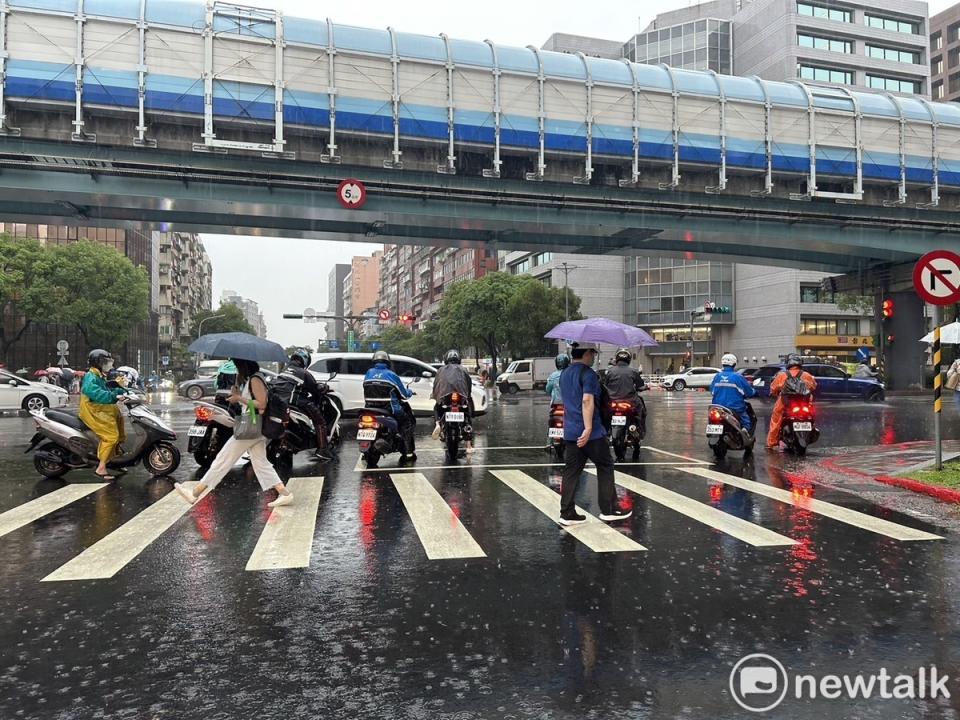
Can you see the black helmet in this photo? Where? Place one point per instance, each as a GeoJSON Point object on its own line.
{"type": "Point", "coordinates": [623, 356]}
{"type": "Point", "coordinates": [563, 361]}
{"type": "Point", "coordinates": [381, 356]}
{"type": "Point", "coordinates": [300, 357]}
{"type": "Point", "coordinates": [98, 358]}
{"type": "Point", "coordinates": [452, 356]}
{"type": "Point", "coordinates": [793, 360]}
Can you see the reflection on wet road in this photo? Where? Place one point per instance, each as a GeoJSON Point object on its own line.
{"type": "Point", "coordinates": [440, 591]}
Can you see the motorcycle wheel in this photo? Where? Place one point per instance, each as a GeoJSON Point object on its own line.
{"type": "Point", "coordinates": [49, 469]}
{"type": "Point", "coordinates": [719, 450]}
{"type": "Point", "coordinates": [636, 452]}
{"type": "Point", "coordinates": [453, 444]}
{"type": "Point", "coordinates": [163, 459]}
{"type": "Point", "coordinates": [619, 446]}
{"type": "Point", "coordinates": [372, 457]}
{"type": "Point", "coordinates": [279, 458]}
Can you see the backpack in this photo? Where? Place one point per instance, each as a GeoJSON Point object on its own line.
{"type": "Point", "coordinates": [795, 386]}
{"type": "Point", "coordinates": [276, 410]}
{"type": "Point", "coordinates": [606, 413]}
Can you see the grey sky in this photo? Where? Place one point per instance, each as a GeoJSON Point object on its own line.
{"type": "Point", "coordinates": [289, 275]}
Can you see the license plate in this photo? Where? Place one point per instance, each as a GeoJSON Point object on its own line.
{"type": "Point", "coordinates": [555, 433]}
{"type": "Point", "coordinates": [714, 429]}
{"type": "Point", "coordinates": [801, 426]}
{"type": "Point", "coordinates": [619, 420]}
{"type": "Point", "coordinates": [197, 431]}
{"type": "Point", "coordinates": [366, 434]}
{"type": "Point", "coordinates": [454, 417]}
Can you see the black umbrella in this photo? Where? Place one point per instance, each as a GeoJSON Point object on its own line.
{"type": "Point", "coordinates": [238, 345]}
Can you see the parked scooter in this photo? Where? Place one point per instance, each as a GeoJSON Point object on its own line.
{"type": "Point", "coordinates": [628, 427]}
{"type": "Point", "coordinates": [798, 430]}
{"type": "Point", "coordinates": [71, 445]}
{"type": "Point", "coordinates": [454, 424]}
{"type": "Point", "coordinates": [555, 431]}
{"type": "Point", "coordinates": [726, 432]}
{"type": "Point", "coordinates": [378, 431]}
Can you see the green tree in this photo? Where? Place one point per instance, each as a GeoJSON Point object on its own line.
{"type": "Point", "coordinates": [533, 309]}
{"type": "Point", "coordinates": [97, 289]}
{"type": "Point", "coordinates": [25, 291]}
{"type": "Point", "coordinates": [862, 304]}
{"type": "Point", "coordinates": [231, 320]}
{"type": "Point", "coordinates": [396, 339]}
{"type": "Point", "coordinates": [290, 349]}
{"type": "Point", "coordinates": [476, 313]}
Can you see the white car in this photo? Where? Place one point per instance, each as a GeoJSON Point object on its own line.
{"type": "Point", "coordinates": [352, 367]}
{"type": "Point", "coordinates": [698, 377]}
{"type": "Point", "coordinates": [19, 394]}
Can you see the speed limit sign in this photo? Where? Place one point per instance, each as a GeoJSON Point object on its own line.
{"type": "Point", "coordinates": [351, 194]}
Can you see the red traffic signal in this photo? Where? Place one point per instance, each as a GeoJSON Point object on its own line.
{"type": "Point", "coordinates": [890, 339]}
{"type": "Point", "coordinates": [406, 318]}
{"type": "Point", "coordinates": [886, 309]}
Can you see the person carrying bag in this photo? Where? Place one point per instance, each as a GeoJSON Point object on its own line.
{"type": "Point", "coordinates": [953, 382]}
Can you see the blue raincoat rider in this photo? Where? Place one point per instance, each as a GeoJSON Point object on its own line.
{"type": "Point", "coordinates": [562, 361]}
{"type": "Point", "coordinates": [731, 389]}
{"type": "Point", "coordinates": [381, 372]}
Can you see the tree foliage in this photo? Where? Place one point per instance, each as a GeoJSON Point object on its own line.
{"type": "Point", "coordinates": [25, 293]}
{"type": "Point", "coordinates": [97, 289]}
{"type": "Point", "coordinates": [230, 319]}
{"type": "Point", "coordinates": [533, 309]}
{"type": "Point", "coordinates": [862, 304]}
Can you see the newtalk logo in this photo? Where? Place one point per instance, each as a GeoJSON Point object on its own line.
{"type": "Point", "coordinates": [759, 683]}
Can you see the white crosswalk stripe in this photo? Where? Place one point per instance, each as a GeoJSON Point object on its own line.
{"type": "Point", "coordinates": [287, 538]}
{"type": "Point", "coordinates": [595, 534]}
{"type": "Point", "coordinates": [51, 502]}
{"type": "Point", "coordinates": [110, 555]}
{"type": "Point", "coordinates": [441, 533]}
{"type": "Point", "coordinates": [835, 512]}
{"type": "Point", "coordinates": [717, 519]}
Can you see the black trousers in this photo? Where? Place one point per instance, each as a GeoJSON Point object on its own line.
{"type": "Point", "coordinates": [575, 458]}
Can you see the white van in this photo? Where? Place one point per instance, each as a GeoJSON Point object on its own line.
{"type": "Point", "coordinates": [526, 375]}
{"type": "Point", "coordinates": [352, 367]}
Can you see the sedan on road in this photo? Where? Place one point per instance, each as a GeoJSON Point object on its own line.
{"type": "Point", "coordinates": [19, 394]}
{"type": "Point", "coordinates": [199, 387]}
{"type": "Point", "coordinates": [698, 377]}
{"type": "Point", "coordinates": [832, 383]}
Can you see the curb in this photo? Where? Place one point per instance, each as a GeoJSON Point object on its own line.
{"type": "Point", "coordinates": [940, 493]}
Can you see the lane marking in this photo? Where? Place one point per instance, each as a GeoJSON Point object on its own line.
{"type": "Point", "coordinates": [594, 533]}
{"type": "Point", "coordinates": [44, 505]}
{"type": "Point", "coordinates": [682, 457]}
{"type": "Point", "coordinates": [106, 557]}
{"type": "Point", "coordinates": [470, 466]}
{"type": "Point", "coordinates": [835, 512]}
{"type": "Point", "coordinates": [441, 533]}
{"type": "Point", "coordinates": [739, 528]}
{"type": "Point", "coordinates": [287, 538]}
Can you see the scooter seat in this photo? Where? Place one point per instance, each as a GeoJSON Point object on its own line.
{"type": "Point", "coordinates": [66, 418]}
{"type": "Point", "coordinates": [376, 411]}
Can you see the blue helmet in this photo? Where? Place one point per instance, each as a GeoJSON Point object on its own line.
{"type": "Point", "coordinates": [300, 357]}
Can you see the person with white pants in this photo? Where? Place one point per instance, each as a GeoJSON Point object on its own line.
{"type": "Point", "coordinates": [254, 388]}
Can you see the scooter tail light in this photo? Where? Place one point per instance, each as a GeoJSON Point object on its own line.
{"type": "Point", "coordinates": [455, 398]}
{"type": "Point", "coordinates": [203, 414]}
{"type": "Point", "coordinates": [367, 421]}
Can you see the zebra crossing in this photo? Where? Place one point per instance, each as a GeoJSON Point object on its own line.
{"type": "Point", "coordinates": [287, 538]}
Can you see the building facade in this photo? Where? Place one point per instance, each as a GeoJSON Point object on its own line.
{"type": "Point", "coordinates": [945, 55]}
{"type": "Point", "coordinates": [37, 346]}
{"type": "Point", "coordinates": [364, 283]}
{"type": "Point", "coordinates": [249, 308]}
{"type": "Point", "coordinates": [592, 47]}
{"type": "Point", "coordinates": [336, 330]}
{"type": "Point", "coordinates": [687, 40]}
{"type": "Point", "coordinates": [185, 288]}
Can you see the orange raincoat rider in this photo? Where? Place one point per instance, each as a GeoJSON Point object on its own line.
{"type": "Point", "coordinates": [794, 369]}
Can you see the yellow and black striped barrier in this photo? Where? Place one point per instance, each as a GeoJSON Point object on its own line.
{"type": "Point", "coordinates": [937, 392]}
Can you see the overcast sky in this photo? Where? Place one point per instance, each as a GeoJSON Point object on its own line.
{"type": "Point", "coordinates": [290, 275]}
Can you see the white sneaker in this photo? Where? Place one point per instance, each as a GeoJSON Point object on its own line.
{"type": "Point", "coordinates": [281, 500]}
{"type": "Point", "coordinates": [185, 492]}
{"type": "Point", "coordinates": [436, 432]}
{"type": "Point", "coordinates": [616, 515]}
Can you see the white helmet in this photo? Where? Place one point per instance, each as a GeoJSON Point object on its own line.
{"type": "Point", "coordinates": [729, 359]}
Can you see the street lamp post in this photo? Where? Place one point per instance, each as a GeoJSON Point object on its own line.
{"type": "Point", "coordinates": [200, 331]}
{"type": "Point", "coordinates": [566, 293]}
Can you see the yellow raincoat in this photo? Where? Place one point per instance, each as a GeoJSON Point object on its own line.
{"type": "Point", "coordinates": [99, 412]}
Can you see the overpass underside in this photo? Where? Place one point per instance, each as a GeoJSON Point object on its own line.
{"type": "Point", "coordinates": [173, 187]}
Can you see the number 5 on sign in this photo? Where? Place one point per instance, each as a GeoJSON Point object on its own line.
{"type": "Point", "coordinates": [351, 194]}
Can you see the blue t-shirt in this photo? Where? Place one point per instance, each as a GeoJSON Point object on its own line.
{"type": "Point", "coordinates": [572, 391]}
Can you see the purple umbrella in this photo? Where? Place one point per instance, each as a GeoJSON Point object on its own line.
{"type": "Point", "coordinates": [601, 330]}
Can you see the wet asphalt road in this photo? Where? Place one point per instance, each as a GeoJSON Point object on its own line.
{"type": "Point", "coordinates": [541, 627]}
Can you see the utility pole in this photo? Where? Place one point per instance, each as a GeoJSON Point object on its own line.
{"type": "Point", "coordinates": [566, 292]}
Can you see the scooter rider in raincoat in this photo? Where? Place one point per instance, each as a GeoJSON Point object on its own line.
{"type": "Point", "coordinates": [381, 372]}
{"type": "Point", "coordinates": [562, 362]}
{"type": "Point", "coordinates": [99, 410]}
{"type": "Point", "coordinates": [731, 389]}
{"type": "Point", "coordinates": [453, 378]}
{"type": "Point", "coordinates": [625, 383]}
{"type": "Point", "coordinates": [310, 400]}
{"type": "Point", "coordinates": [794, 370]}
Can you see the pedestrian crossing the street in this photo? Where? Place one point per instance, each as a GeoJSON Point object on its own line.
{"type": "Point", "coordinates": [287, 538]}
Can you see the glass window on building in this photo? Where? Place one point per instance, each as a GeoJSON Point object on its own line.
{"type": "Point", "coordinates": [953, 57]}
{"type": "Point", "coordinates": [879, 82]}
{"type": "Point", "coordinates": [953, 33]}
{"type": "Point", "coordinates": [820, 11]}
{"type": "Point", "coordinates": [893, 54]}
{"type": "Point", "coordinates": [818, 42]}
{"type": "Point", "coordinates": [953, 83]}
{"type": "Point", "coordinates": [891, 24]}
{"type": "Point", "coordinates": [936, 65]}
{"type": "Point", "coordinates": [823, 74]}
{"type": "Point", "coordinates": [936, 41]}
{"type": "Point", "coordinates": [815, 294]}
{"type": "Point", "coordinates": [938, 90]}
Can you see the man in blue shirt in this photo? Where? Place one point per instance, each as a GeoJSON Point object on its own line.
{"type": "Point", "coordinates": [585, 438]}
{"type": "Point", "coordinates": [731, 389]}
{"type": "Point", "coordinates": [381, 372]}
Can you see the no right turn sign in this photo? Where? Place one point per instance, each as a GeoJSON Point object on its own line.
{"type": "Point", "coordinates": [936, 277]}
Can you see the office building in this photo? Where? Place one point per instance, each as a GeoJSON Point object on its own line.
{"type": "Point", "coordinates": [336, 331]}
{"type": "Point", "coordinates": [364, 283]}
{"type": "Point", "coordinates": [945, 55]}
{"type": "Point", "coordinates": [592, 47]}
{"type": "Point", "coordinates": [185, 288]}
{"type": "Point", "coordinates": [250, 309]}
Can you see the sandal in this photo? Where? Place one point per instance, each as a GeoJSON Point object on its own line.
{"type": "Point", "coordinates": [105, 477]}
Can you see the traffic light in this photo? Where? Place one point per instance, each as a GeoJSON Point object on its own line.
{"type": "Point", "coordinates": [886, 309]}
{"type": "Point", "coordinates": [406, 318]}
{"type": "Point", "coordinates": [890, 339]}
